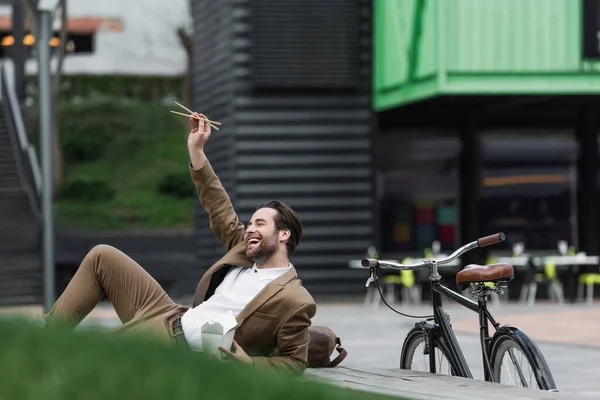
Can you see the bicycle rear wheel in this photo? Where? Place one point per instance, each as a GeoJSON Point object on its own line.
{"type": "Point", "coordinates": [415, 353]}
{"type": "Point", "coordinates": [516, 360]}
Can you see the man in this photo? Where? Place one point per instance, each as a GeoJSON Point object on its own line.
{"type": "Point", "coordinates": [255, 280]}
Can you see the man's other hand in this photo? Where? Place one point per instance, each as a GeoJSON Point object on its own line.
{"type": "Point", "coordinates": [238, 354]}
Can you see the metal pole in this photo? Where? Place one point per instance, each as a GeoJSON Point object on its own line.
{"type": "Point", "coordinates": [45, 104]}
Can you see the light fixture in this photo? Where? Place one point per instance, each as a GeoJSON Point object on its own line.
{"type": "Point", "coordinates": [8, 40]}
{"type": "Point", "coordinates": [29, 40]}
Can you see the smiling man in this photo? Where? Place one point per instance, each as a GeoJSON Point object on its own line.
{"type": "Point", "coordinates": [254, 280]}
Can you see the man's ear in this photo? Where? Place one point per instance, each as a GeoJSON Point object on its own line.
{"type": "Point", "coordinates": [284, 234]}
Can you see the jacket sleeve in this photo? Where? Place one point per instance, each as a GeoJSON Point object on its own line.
{"type": "Point", "coordinates": [292, 343]}
{"type": "Point", "coordinates": [224, 221]}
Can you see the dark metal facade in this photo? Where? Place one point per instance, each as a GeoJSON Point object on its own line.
{"type": "Point", "coordinates": [290, 81]}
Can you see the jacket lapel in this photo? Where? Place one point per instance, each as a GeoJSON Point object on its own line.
{"type": "Point", "coordinates": [235, 257]}
{"type": "Point", "coordinates": [270, 290]}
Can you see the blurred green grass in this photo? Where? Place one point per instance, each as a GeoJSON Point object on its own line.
{"type": "Point", "coordinates": [44, 363]}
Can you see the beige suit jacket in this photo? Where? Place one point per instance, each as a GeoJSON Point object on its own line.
{"type": "Point", "coordinates": [275, 328]}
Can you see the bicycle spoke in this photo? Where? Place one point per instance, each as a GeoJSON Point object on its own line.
{"type": "Point", "coordinates": [440, 362]}
{"type": "Point", "coordinates": [505, 362]}
{"type": "Point", "coordinates": [511, 353]}
{"type": "Point", "coordinates": [425, 363]}
{"type": "Point", "coordinates": [420, 360]}
{"type": "Point", "coordinates": [511, 362]}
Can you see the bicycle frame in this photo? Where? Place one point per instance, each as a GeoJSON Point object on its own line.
{"type": "Point", "coordinates": [442, 321]}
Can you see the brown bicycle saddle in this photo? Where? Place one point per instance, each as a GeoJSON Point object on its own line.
{"type": "Point", "coordinates": [474, 273]}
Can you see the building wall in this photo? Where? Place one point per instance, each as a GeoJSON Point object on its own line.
{"type": "Point", "coordinates": [294, 100]}
{"type": "Point", "coordinates": [147, 44]}
{"type": "Point", "coordinates": [213, 94]}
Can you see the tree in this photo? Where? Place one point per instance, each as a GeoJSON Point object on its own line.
{"type": "Point", "coordinates": [31, 7]}
{"type": "Point", "coordinates": [187, 43]}
{"type": "Point", "coordinates": [184, 32]}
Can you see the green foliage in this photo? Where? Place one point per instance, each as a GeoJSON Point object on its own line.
{"type": "Point", "coordinates": [125, 156]}
{"type": "Point", "coordinates": [88, 147]}
{"type": "Point", "coordinates": [54, 363]}
{"type": "Point", "coordinates": [124, 147]}
{"type": "Point", "coordinates": [85, 191]}
{"type": "Point", "coordinates": [139, 88]}
{"type": "Point", "coordinates": [176, 185]}
{"type": "Point", "coordinates": [110, 128]}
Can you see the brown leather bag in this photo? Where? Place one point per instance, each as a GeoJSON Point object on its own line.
{"type": "Point", "coordinates": [322, 344]}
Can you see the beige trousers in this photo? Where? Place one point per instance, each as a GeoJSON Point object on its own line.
{"type": "Point", "coordinates": [140, 302]}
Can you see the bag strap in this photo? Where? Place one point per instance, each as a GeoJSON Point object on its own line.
{"type": "Point", "coordinates": [339, 358]}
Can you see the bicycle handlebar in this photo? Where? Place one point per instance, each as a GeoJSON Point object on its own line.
{"type": "Point", "coordinates": [369, 262]}
{"type": "Point", "coordinates": [492, 239]}
{"type": "Point", "coordinates": [481, 242]}
{"type": "Point", "coordinates": [372, 263]}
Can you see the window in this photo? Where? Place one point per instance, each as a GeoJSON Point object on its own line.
{"type": "Point", "coordinates": [590, 34]}
{"type": "Point", "coordinates": [529, 185]}
{"type": "Point", "coordinates": [418, 184]}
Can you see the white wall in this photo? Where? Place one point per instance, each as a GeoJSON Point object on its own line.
{"type": "Point", "coordinates": [147, 45]}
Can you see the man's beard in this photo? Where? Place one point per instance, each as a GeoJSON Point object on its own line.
{"type": "Point", "coordinates": [267, 247]}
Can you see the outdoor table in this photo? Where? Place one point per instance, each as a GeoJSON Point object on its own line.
{"type": "Point", "coordinates": [573, 263]}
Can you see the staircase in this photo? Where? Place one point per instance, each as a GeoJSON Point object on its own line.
{"type": "Point", "coordinates": [21, 276]}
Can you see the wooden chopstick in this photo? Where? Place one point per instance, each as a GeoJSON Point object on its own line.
{"type": "Point", "coordinates": [191, 112]}
{"type": "Point", "coordinates": [195, 116]}
{"type": "Point", "coordinates": [209, 122]}
{"type": "Point", "coordinates": [185, 108]}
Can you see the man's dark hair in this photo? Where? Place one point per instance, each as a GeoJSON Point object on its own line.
{"type": "Point", "coordinates": [286, 218]}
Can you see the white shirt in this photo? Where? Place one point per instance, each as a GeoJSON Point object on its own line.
{"type": "Point", "coordinates": [239, 286]}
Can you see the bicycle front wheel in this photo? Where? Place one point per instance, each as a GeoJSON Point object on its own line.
{"type": "Point", "coordinates": [517, 360]}
{"type": "Point", "coordinates": [415, 353]}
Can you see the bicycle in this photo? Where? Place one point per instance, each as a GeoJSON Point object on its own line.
{"type": "Point", "coordinates": [507, 339]}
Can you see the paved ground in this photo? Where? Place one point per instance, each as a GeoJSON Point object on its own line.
{"type": "Point", "coordinates": [374, 338]}
{"type": "Point", "coordinates": [568, 336]}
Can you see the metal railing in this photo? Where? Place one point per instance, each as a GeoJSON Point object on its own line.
{"type": "Point", "coordinates": [31, 176]}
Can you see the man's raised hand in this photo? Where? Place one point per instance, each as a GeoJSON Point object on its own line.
{"type": "Point", "coordinates": [198, 136]}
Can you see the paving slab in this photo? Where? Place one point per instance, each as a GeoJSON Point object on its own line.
{"type": "Point", "coordinates": [570, 324]}
{"type": "Point", "coordinates": [421, 385]}
{"type": "Point", "coordinates": [374, 337]}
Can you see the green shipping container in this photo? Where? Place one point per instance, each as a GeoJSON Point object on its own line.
{"type": "Point", "coordinates": [427, 48]}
